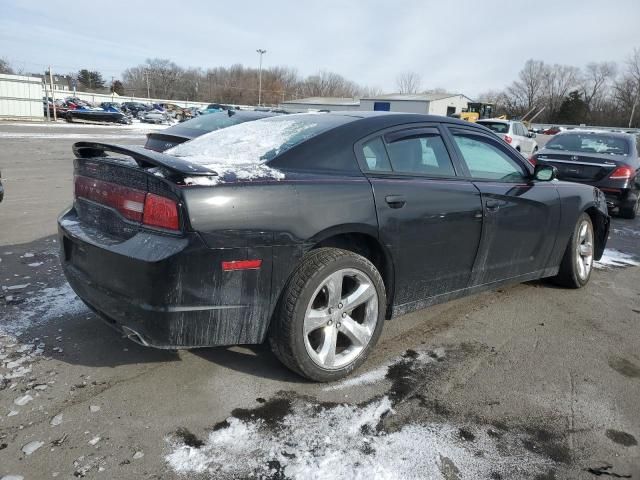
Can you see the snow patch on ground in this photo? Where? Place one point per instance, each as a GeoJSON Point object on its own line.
{"type": "Point", "coordinates": [40, 307]}
{"type": "Point", "coordinates": [614, 258]}
{"type": "Point", "coordinates": [346, 442]}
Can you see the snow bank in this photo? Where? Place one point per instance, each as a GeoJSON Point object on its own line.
{"type": "Point", "coordinates": [615, 258]}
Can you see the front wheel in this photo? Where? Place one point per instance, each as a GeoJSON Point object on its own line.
{"type": "Point", "coordinates": [577, 263]}
{"type": "Point", "coordinates": [330, 315]}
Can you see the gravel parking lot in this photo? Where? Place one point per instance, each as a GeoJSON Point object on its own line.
{"type": "Point", "coordinates": [530, 381]}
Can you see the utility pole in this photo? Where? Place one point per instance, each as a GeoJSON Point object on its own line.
{"type": "Point", "coordinates": [146, 73]}
{"type": "Point", "coordinates": [53, 96]}
{"type": "Point", "coordinates": [46, 95]}
{"type": "Point", "coordinates": [261, 52]}
{"type": "Point", "coordinates": [112, 92]}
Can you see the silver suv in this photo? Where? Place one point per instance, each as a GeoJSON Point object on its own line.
{"type": "Point", "coordinates": [514, 133]}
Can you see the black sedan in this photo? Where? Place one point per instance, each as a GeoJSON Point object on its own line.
{"type": "Point", "coordinates": [309, 230]}
{"type": "Point", "coordinates": [183, 132]}
{"type": "Point", "coordinates": [606, 160]}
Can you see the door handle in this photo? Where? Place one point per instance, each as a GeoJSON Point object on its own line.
{"type": "Point", "coordinates": [493, 205]}
{"type": "Point", "coordinates": [395, 201]}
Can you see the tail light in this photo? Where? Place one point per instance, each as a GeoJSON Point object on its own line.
{"type": "Point", "coordinates": [143, 207]}
{"type": "Point", "coordinates": [621, 173]}
{"type": "Point", "coordinates": [160, 212]}
{"type": "Point", "coordinates": [533, 159]}
{"type": "Point", "coordinates": [508, 139]}
{"type": "Point", "coordinates": [128, 201]}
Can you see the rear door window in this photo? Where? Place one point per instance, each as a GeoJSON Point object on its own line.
{"type": "Point", "coordinates": [419, 153]}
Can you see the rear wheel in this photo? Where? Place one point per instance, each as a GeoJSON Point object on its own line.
{"type": "Point", "coordinates": [630, 208]}
{"type": "Point", "coordinates": [577, 263]}
{"type": "Point", "coordinates": [330, 315]}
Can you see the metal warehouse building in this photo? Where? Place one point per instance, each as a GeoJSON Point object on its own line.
{"type": "Point", "coordinates": [311, 104]}
{"type": "Point", "coordinates": [427, 103]}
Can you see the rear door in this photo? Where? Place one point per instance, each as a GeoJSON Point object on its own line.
{"type": "Point", "coordinates": [520, 216]}
{"type": "Point", "coordinates": [429, 218]}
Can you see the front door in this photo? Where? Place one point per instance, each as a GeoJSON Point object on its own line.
{"type": "Point", "coordinates": [520, 215]}
{"type": "Point", "coordinates": [430, 219]}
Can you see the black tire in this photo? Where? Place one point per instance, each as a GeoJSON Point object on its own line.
{"type": "Point", "coordinates": [569, 275]}
{"type": "Point", "coordinates": [286, 334]}
{"type": "Point", "coordinates": [629, 209]}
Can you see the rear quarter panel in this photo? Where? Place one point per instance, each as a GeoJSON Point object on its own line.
{"type": "Point", "coordinates": [285, 218]}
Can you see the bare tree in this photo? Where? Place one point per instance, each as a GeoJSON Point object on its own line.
{"type": "Point", "coordinates": [527, 91]}
{"type": "Point", "coordinates": [559, 80]}
{"type": "Point", "coordinates": [408, 82]}
{"type": "Point", "coordinates": [5, 67]}
{"type": "Point", "coordinates": [596, 80]}
{"type": "Point", "coordinates": [633, 75]}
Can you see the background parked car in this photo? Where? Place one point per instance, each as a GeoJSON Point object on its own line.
{"type": "Point", "coordinates": [172, 136]}
{"type": "Point", "coordinates": [153, 116]}
{"type": "Point", "coordinates": [552, 131]}
{"type": "Point", "coordinates": [606, 160]}
{"type": "Point", "coordinates": [134, 108]}
{"type": "Point", "coordinates": [1, 188]}
{"type": "Point", "coordinates": [177, 112]}
{"type": "Point", "coordinates": [514, 133]}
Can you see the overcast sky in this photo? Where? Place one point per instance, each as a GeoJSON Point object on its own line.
{"type": "Point", "coordinates": [463, 46]}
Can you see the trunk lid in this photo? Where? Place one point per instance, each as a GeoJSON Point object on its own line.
{"type": "Point", "coordinates": [120, 190]}
{"type": "Point", "coordinates": [578, 167]}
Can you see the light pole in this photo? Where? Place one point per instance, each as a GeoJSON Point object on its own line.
{"type": "Point", "coordinates": [261, 52]}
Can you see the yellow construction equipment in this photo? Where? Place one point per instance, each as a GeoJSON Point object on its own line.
{"type": "Point", "coordinates": [476, 111]}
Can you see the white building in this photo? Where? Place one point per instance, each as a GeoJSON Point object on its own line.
{"type": "Point", "coordinates": [426, 103]}
{"type": "Point", "coordinates": [315, 104]}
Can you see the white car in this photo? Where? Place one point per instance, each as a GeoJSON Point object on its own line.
{"type": "Point", "coordinates": [514, 133]}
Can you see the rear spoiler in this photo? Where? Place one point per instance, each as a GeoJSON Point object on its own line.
{"type": "Point", "coordinates": [142, 156]}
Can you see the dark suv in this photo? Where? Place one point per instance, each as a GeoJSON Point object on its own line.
{"type": "Point", "coordinates": [606, 160]}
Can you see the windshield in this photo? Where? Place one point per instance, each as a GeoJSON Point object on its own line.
{"type": "Point", "coordinates": [498, 127]}
{"type": "Point", "coordinates": [590, 143]}
{"type": "Point", "coordinates": [255, 142]}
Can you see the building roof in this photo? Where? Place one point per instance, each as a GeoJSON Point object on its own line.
{"type": "Point", "coordinates": [338, 101]}
{"type": "Point", "coordinates": [416, 97]}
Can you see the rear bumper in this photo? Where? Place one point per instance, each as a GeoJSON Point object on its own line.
{"type": "Point", "coordinates": [165, 291]}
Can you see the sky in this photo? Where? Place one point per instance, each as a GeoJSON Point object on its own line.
{"type": "Point", "coordinates": [463, 46]}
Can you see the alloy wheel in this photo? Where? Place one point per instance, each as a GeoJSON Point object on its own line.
{"type": "Point", "coordinates": [340, 318]}
{"type": "Point", "coordinates": [584, 250]}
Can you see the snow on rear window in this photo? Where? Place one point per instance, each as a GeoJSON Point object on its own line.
{"type": "Point", "coordinates": [251, 142]}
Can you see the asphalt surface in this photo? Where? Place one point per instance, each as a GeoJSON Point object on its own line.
{"type": "Point", "coordinates": [531, 381]}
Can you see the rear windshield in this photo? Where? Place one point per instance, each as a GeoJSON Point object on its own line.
{"type": "Point", "coordinates": [498, 127]}
{"type": "Point", "coordinates": [590, 143]}
{"type": "Point", "coordinates": [256, 142]}
{"type": "Point", "coordinates": [215, 121]}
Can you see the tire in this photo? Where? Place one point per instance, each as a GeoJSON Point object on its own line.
{"type": "Point", "coordinates": [579, 249]}
{"type": "Point", "coordinates": [307, 305]}
{"type": "Point", "coordinates": [630, 209]}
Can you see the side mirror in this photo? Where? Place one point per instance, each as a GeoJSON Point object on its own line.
{"type": "Point", "coordinates": [545, 173]}
{"type": "Point", "coordinates": [531, 135]}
